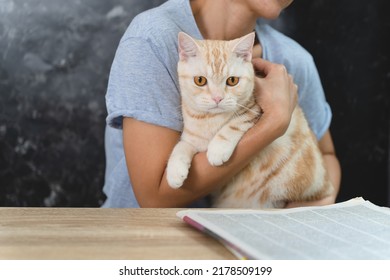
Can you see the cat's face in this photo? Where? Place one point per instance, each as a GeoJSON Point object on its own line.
{"type": "Point", "coordinates": [215, 76]}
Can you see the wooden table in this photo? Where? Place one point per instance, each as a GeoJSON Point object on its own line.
{"type": "Point", "coordinates": [95, 233]}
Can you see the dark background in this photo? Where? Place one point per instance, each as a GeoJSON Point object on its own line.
{"type": "Point", "coordinates": [55, 58]}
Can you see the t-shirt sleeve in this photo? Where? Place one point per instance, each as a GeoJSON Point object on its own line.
{"type": "Point", "coordinates": [142, 86]}
{"type": "Point", "coordinates": [312, 97]}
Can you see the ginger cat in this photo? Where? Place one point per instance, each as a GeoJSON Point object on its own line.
{"type": "Point", "coordinates": [217, 81]}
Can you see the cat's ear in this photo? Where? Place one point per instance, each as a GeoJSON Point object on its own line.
{"type": "Point", "coordinates": [243, 46]}
{"type": "Point", "coordinates": [187, 46]}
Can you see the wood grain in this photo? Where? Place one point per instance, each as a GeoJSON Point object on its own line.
{"type": "Point", "coordinates": [96, 233]}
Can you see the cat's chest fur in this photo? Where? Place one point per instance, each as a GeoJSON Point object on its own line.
{"type": "Point", "coordinates": [201, 128]}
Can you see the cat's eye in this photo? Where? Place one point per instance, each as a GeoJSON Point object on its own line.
{"type": "Point", "coordinates": [200, 81]}
{"type": "Point", "coordinates": [232, 81]}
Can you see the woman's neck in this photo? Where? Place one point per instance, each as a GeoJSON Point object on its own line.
{"type": "Point", "coordinates": [222, 19]}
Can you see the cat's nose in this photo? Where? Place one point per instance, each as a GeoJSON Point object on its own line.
{"type": "Point", "coordinates": [217, 99]}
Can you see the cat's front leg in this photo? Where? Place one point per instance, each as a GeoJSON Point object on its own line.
{"type": "Point", "coordinates": [221, 147]}
{"type": "Point", "coordinates": [179, 164]}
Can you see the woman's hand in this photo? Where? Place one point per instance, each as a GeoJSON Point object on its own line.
{"type": "Point", "coordinates": [276, 93]}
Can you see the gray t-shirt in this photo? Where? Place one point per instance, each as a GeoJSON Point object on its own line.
{"type": "Point", "coordinates": [143, 84]}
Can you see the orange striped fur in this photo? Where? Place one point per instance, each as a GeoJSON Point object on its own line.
{"type": "Point", "coordinates": [216, 115]}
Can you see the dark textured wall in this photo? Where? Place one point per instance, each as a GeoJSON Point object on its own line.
{"type": "Point", "coordinates": [350, 44]}
{"type": "Point", "coordinates": [55, 58]}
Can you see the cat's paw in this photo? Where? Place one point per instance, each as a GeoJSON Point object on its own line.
{"type": "Point", "coordinates": [176, 174]}
{"type": "Point", "coordinates": [218, 153]}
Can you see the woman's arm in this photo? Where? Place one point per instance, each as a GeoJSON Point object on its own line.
{"type": "Point", "coordinates": [148, 147]}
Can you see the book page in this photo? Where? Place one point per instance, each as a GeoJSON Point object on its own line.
{"type": "Point", "coordinates": [356, 229]}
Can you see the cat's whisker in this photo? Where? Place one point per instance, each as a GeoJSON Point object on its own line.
{"type": "Point", "coordinates": [236, 115]}
{"type": "Point", "coordinates": [250, 110]}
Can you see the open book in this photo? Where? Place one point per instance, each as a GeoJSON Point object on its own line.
{"type": "Point", "coordinates": [355, 229]}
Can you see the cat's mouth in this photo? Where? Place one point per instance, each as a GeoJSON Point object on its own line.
{"type": "Point", "coordinates": [217, 108]}
{"type": "Point", "coordinates": [214, 108]}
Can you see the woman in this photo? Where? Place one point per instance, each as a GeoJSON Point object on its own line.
{"type": "Point", "coordinates": [143, 101]}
